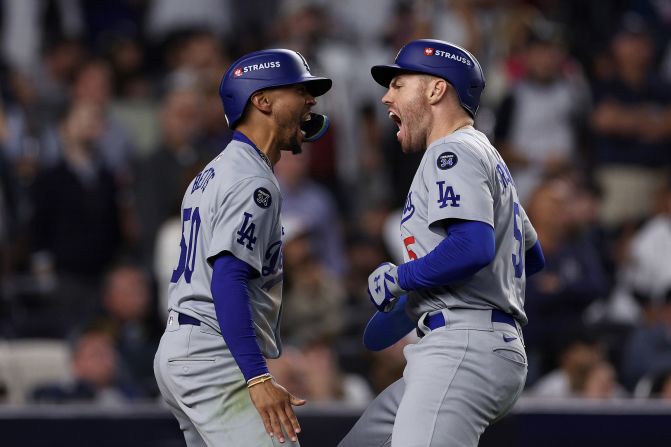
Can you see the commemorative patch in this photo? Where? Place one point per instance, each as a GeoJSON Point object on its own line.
{"type": "Point", "coordinates": [447, 160]}
{"type": "Point", "coordinates": [262, 197]}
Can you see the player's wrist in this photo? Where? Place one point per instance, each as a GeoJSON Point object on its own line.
{"type": "Point", "coordinates": [259, 379]}
{"type": "Point", "coordinates": [402, 275]}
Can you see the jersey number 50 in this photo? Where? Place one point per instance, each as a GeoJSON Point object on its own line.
{"type": "Point", "coordinates": [187, 254]}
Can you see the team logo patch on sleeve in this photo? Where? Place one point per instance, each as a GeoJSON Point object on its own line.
{"type": "Point", "coordinates": [262, 197]}
{"type": "Point", "coordinates": [447, 160]}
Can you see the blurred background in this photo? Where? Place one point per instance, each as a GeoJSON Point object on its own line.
{"type": "Point", "coordinates": [109, 108]}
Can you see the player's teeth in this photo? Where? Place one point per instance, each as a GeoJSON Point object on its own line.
{"type": "Point", "coordinates": [307, 118]}
{"type": "Point", "coordinates": [303, 133]}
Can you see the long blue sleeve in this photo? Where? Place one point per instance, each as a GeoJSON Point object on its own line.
{"type": "Point", "coordinates": [468, 247]}
{"type": "Point", "coordinates": [231, 302]}
{"type": "Point", "coordinates": [534, 259]}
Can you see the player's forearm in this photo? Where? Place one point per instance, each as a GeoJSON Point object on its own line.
{"type": "Point", "coordinates": [231, 302]}
{"type": "Point", "coordinates": [468, 247]}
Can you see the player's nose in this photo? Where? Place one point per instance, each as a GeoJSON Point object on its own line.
{"type": "Point", "coordinates": [386, 99]}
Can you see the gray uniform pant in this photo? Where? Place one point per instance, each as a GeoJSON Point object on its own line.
{"type": "Point", "coordinates": [458, 379]}
{"type": "Point", "coordinates": [205, 389]}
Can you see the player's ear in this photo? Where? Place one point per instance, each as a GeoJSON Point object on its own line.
{"type": "Point", "coordinates": [436, 90]}
{"type": "Point", "coordinates": [262, 101]}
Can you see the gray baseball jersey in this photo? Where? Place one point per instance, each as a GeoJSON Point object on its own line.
{"type": "Point", "coordinates": [233, 205]}
{"type": "Point", "coordinates": [462, 176]}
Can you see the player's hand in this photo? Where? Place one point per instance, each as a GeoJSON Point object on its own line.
{"type": "Point", "coordinates": [274, 404]}
{"type": "Point", "coordinates": [383, 287]}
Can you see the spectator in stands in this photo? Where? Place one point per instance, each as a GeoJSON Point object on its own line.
{"type": "Point", "coordinates": [325, 380]}
{"type": "Point", "coordinates": [159, 176]}
{"type": "Point", "coordinates": [579, 355]}
{"type": "Point", "coordinates": [583, 371]}
{"type": "Point", "coordinates": [631, 123]}
{"type": "Point", "coordinates": [94, 82]}
{"type": "Point", "coordinates": [96, 374]}
{"type": "Point", "coordinates": [601, 383]}
{"type": "Point", "coordinates": [647, 273]}
{"type": "Point", "coordinates": [314, 299]}
{"type": "Point", "coordinates": [647, 351]}
{"type": "Point", "coordinates": [313, 208]}
{"type": "Point", "coordinates": [364, 254]}
{"type": "Point", "coordinates": [573, 278]}
{"type": "Point", "coordinates": [76, 230]}
{"type": "Point", "coordinates": [126, 302]}
{"type": "Point", "coordinates": [537, 123]}
{"type": "Point", "coordinates": [313, 370]}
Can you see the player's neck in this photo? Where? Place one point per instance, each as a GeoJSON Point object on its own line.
{"type": "Point", "coordinates": [265, 139]}
{"type": "Point", "coordinates": [445, 124]}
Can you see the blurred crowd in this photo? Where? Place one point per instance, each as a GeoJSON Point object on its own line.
{"type": "Point", "coordinates": [109, 108]}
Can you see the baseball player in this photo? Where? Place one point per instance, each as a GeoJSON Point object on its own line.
{"type": "Point", "coordinates": [469, 246]}
{"type": "Point", "coordinates": [226, 289]}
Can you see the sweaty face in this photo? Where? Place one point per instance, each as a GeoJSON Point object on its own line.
{"type": "Point", "coordinates": [408, 108]}
{"type": "Point", "coordinates": [292, 105]}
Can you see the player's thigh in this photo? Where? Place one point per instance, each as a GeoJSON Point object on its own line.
{"type": "Point", "coordinates": [374, 427]}
{"type": "Point", "coordinates": [432, 366]}
{"type": "Point", "coordinates": [211, 391]}
{"type": "Point", "coordinates": [191, 435]}
{"type": "Point", "coordinates": [457, 383]}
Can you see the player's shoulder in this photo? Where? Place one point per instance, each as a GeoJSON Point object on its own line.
{"type": "Point", "coordinates": [234, 170]}
{"type": "Point", "coordinates": [465, 145]}
{"type": "Point", "coordinates": [239, 161]}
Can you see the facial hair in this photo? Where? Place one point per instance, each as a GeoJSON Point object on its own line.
{"type": "Point", "coordinates": [414, 118]}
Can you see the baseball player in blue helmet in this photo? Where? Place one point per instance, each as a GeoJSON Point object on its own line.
{"type": "Point", "coordinates": [469, 247]}
{"type": "Point", "coordinates": [226, 290]}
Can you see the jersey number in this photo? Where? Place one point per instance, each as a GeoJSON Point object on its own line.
{"type": "Point", "coordinates": [408, 241]}
{"type": "Point", "coordinates": [187, 254]}
{"type": "Point", "coordinates": [518, 260]}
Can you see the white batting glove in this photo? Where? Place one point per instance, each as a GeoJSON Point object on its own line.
{"type": "Point", "coordinates": [383, 287]}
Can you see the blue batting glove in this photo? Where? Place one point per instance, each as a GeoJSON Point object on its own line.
{"type": "Point", "coordinates": [383, 287]}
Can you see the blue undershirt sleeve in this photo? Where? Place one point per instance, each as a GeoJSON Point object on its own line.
{"type": "Point", "coordinates": [231, 303]}
{"type": "Point", "coordinates": [534, 259]}
{"type": "Point", "coordinates": [468, 247]}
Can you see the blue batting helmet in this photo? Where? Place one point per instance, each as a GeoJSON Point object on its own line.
{"type": "Point", "coordinates": [438, 58]}
{"type": "Point", "coordinates": [265, 69]}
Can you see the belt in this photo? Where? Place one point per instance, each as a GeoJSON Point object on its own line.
{"type": "Point", "coordinates": [186, 319]}
{"type": "Point", "coordinates": [437, 320]}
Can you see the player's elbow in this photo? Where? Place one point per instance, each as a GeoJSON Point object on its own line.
{"type": "Point", "coordinates": [481, 246]}
{"type": "Point", "coordinates": [483, 253]}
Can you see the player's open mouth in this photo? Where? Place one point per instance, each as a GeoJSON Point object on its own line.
{"type": "Point", "coordinates": [304, 119]}
{"type": "Point", "coordinates": [397, 119]}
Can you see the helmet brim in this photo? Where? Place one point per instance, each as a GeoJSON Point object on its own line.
{"type": "Point", "coordinates": [317, 86]}
{"type": "Point", "coordinates": [383, 74]}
